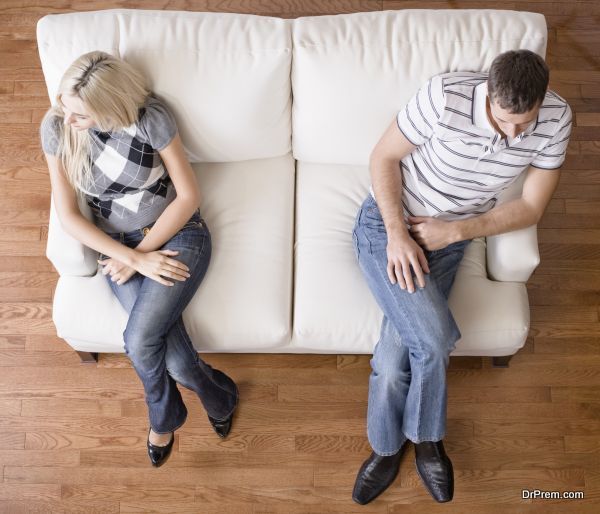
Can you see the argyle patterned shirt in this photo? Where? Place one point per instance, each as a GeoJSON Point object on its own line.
{"type": "Point", "coordinates": [131, 186]}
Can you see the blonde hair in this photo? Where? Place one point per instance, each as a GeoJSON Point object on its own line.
{"type": "Point", "coordinates": [112, 92]}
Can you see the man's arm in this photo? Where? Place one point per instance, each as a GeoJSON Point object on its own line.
{"type": "Point", "coordinates": [386, 177]}
{"type": "Point", "coordinates": [538, 188]}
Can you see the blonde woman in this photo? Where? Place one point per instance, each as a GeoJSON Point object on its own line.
{"type": "Point", "coordinates": [111, 140]}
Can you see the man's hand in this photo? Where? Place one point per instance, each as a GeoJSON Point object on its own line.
{"type": "Point", "coordinates": [433, 233]}
{"type": "Point", "coordinates": [119, 272]}
{"type": "Point", "coordinates": [402, 253]}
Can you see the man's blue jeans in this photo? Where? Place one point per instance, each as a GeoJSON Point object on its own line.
{"type": "Point", "coordinates": [156, 340]}
{"type": "Point", "coordinates": [407, 386]}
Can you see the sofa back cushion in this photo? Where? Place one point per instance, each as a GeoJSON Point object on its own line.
{"type": "Point", "coordinates": [352, 73]}
{"type": "Point", "coordinates": [226, 76]}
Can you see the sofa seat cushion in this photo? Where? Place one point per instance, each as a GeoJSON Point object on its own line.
{"type": "Point", "coordinates": [244, 301]}
{"type": "Point", "coordinates": [334, 310]}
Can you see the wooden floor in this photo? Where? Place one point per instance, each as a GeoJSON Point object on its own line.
{"type": "Point", "coordinates": [72, 436]}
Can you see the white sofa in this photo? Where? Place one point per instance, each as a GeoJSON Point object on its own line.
{"type": "Point", "coordinates": [279, 118]}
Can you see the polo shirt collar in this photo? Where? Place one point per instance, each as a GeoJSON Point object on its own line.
{"type": "Point", "coordinates": [480, 120]}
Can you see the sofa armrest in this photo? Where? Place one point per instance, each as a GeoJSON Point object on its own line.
{"type": "Point", "coordinates": [513, 256]}
{"type": "Point", "coordinates": [67, 254]}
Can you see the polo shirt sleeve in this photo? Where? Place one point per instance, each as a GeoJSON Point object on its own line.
{"type": "Point", "coordinates": [420, 115]}
{"type": "Point", "coordinates": [158, 123]}
{"type": "Point", "coordinates": [50, 131]}
{"type": "Point", "coordinates": [553, 154]}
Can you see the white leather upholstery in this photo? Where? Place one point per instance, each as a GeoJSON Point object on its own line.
{"type": "Point", "coordinates": [352, 73]}
{"type": "Point", "coordinates": [283, 276]}
{"type": "Point", "coordinates": [226, 76]}
{"type": "Point", "coordinates": [513, 256]}
{"type": "Point", "coordinates": [244, 302]}
{"type": "Point", "coordinates": [332, 302]}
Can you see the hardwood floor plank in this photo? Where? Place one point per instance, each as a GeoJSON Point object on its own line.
{"type": "Point", "coordinates": [237, 443]}
{"type": "Point", "coordinates": [543, 427]}
{"type": "Point", "coordinates": [63, 458]}
{"type": "Point", "coordinates": [479, 480]}
{"type": "Point", "coordinates": [48, 358]}
{"type": "Point", "coordinates": [569, 221]}
{"type": "Point", "coordinates": [52, 407]}
{"type": "Point", "coordinates": [575, 394]}
{"type": "Point", "coordinates": [10, 407]}
{"type": "Point", "coordinates": [152, 478]}
{"type": "Point", "coordinates": [160, 507]}
{"type": "Point", "coordinates": [44, 507]}
{"type": "Point", "coordinates": [45, 343]}
{"type": "Point", "coordinates": [580, 346]}
{"type": "Point", "coordinates": [316, 393]}
{"type": "Point", "coordinates": [12, 342]}
{"type": "Point", "coordinates": [495, 394]}
{"type": "Point", "coordinates": [40, 439]}
{"type": "Point", "coordinates": [525, 411]}
{"type": "Point", "coordinates": [340, 444]}
{"type": "Point", "coordinates": [171, 493]}
{"type": "Point", "coordinates": [582, 444]}
{"type": "Point", "coordinates": [516, 507]}
{"type": "Point", "coordinates": [586, 207]}
{"type": "Point", "coordinates": [29, 491]}
{"type": "Point", "coordinates": [11, 440]}
{"type": "Point", "coordinates": [321, 509]}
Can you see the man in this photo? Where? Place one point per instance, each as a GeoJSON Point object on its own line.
{"type": "Point", "coordinates": [436, 174]}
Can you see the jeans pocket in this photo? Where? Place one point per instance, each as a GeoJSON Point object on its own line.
{"type": "Point", "coordinates": [373, 230]}
{"type": "Point", "coordinates": [373, 214]}
{"type": "Point", "coordinates": [196, 224]}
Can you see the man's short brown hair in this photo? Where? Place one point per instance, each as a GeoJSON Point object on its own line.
{"type": "Point", "coordinates": [518, 80]}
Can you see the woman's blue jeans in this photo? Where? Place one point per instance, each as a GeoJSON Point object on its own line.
{"type": "Point", "coordinates": [407, 386]}
{"type": "Point", "coordinates": [156, 340]}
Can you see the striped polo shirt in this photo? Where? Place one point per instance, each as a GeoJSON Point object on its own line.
{"type": "Point", "coordinates": [460, 163]}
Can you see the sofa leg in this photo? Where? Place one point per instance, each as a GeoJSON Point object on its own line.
{"type": "Point", "coordinates": [88, 357]}
{"type": "Point", "coordinates": [501, 362]}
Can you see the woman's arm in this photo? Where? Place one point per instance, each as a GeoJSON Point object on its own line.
{"type": "Point", "coordinates": [154, 264]}
{"type": "Point", "coordinates": [75, 223]}
{"type": "Point", "coordinates": [179, 211]}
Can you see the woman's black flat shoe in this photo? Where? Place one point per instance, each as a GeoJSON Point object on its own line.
{"type": "Point", "coordinates": [159, 454]}
{"type": "Point", "coordinates": [222, 427]}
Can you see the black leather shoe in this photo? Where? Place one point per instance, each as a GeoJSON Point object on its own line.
{"type": "Point", "coordinates": [159, 454]}
{"type": "Point", "coordinates": [435, 470]}
{"type": "Point", "coordinates": [223, 427]}
{"type": "Point", "coordinates": [375, 475]}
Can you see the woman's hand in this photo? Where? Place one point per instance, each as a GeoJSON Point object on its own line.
{"type": "Point", "coordinates": [119, 272]}
{"type": "Point", "coordinates": [158, 264]}
{"type": "Point", "coordinates": [150, 264]}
